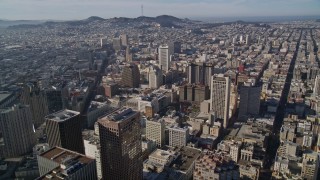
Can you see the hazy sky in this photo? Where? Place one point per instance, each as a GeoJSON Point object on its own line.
{"type": "Point", "coordinates": [80, 9]}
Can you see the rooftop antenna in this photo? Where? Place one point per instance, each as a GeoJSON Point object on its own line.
{"type": "Point", "coordinates": [142, 10]}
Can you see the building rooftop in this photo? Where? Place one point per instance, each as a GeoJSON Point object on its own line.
{"type": "Point", "coordinates": [4, 95]}
{"type": "Point", "coordinates": [69, 162]}
{"type": "Point", "coordinates": [162, 154]}
{"type": "Point", "coordinates": [119, 114]}
{"type": "Point", "coordinates": [62, 115]}
{"type": "Point", "coordinates": [185, 160]}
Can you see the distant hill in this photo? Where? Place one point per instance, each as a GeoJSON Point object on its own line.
{"type": "Point", "coordinates": [318, 20]}
{"type": "Point", "coordinates": [95, 18]}
{"type": "Point", "coordinates": [6, 23]}
{"type": "Point", "coordinates": [163, 20]}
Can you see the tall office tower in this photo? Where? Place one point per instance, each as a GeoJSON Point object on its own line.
{"type": "Point", "coordinates": [37, 99]}
{"type": "Point", "coordinates": [16, 129]}
{"type": "Point", "coordinates": [54, 100]}
{"type": "Point", "coordinates": [130, 76]}
{"type": "Point", "coordinates": [312, 73]}
{"type": "Point", "coordinates": [121, 150]}
{"type": "Point", "coordinates": [192, 71]}
{"type": "Point", "coordinates": [208, 72]}
{"type": "Point", "coordinates": [248, 39]}
{"type": "Point", "coordinates": [116, 43]}
{"type": "Point", "coordinates": [124, 39]}
{"type": "Point", "coordinates": [64, 130]}
{"type": "Point", "coordinates": [155, 131]}
{"type": "Point", "coordinates": [234, 40]}
{"type": "Point", "coordinates": [128, 54]}
{"type": "Point", "coordinates": [155, 77]}
{"type": "Point", "coordinates": [174, 47]}
{"type": "Point", "coordinates": [249, 101]}
{"type": "Point", "coordinates": [316, 89]}
{"type": "Point", "coordinates": [241, 39]}
{"type": "Point", "coordinates": [60, 163]}
{"type": "Point", "coordinates": [103, 41]}
{"type": "Point", "coordinates": [178, 137]}
{"type": "Point", "coordinates": [200, 73]}
{"type": "Point", "coordinates": [6, 99]}
{"type": "Point", "coordinates": [220, 97]}
{"type": "Point", "coordinates": [164, 58]}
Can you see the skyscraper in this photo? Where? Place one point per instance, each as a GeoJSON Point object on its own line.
{"type": "Point", "coordinates": [103, 41]}
{"type": "Point", "coordinates": [175, 47]}
{"type": "Point", "coordinates": [155, 77]}
{"type": "Point", "coordinates": [121, 151]}
{"type": "Point", "coordinates": [200, 73]}
{"type": "Point", "coordinates": [16, 130]}
{"type": "Point", "coordinates": [37, 99]}
{"type": "Point", "coordinates": [155, 131]}
{"type": "Point", "coordinates": [54, 100]}
{"type": "Point", "coordinates": [220, 97]}
{"type": "Point", "coordinates": [116, 43]}
{"type": "Point", "coordinates": [124, 39]}
{"type": "Point", "coordinates": [130, 76]}
{"type": "Point", "coordinates": [249, 101]}
{"type": "Point", "coordinates": [316, 89]}
{"type": "Point", "coordinates": [64, 130]}
{"type": "Point", "coordinates": [164, 58]}
{"type": "Point", "coordinates": [248, 39]}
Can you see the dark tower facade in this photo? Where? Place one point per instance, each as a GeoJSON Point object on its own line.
{"type": "Point", "coordinates": [121, 152]}
{"type": "Point", "coordinates": [64, 130]}
{"type": "Point", "coordinates": [34, 97]}
{"type": "Point", "coordinates": [130, 76]}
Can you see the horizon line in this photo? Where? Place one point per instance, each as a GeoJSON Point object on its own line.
{"type": "Point", "coordinates": [191, 18]}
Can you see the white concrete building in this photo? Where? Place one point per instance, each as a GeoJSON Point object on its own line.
{"type": "Point", "coordinates": [155, 131]}
{"type": "Point", "coordinates": [178, 137]}
{"type": "Point", "coordinates": [164, 58]}
{"type": "Point", "coordinates": [155, 77]}
{"type": "Point", "coordinates": [220, 97]}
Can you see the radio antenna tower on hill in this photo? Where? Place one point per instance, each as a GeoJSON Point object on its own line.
{"type": "Point", "coordinates": [142, 10]}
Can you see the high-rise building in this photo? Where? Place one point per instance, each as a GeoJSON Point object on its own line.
{"type": "Point", "coordinates": [116, 44]}
{"type": "Point", "coordinates": [155, 131]}
{"type": "Point", "coordinates": [16, 129]}
{"type": "Point", "coordinates": [316, 89]}
{"type": "Point", "coordinates": [249, 101]}
{"type": "Point", "coordinates": [7, 99]}
{"type": "Point", "coordinates": [121, 150]}
{"type": "Point", "coordinates": [194, 93]}
{"type": "Point", "coordinates": [178, 137]}
{"type": "Point", "coordinates": [54, 100]}
{"type": "Point", "coordinates": [155, 77]}
{"type": "Point", "coordinates": [37, 99]}
{"type": "Point", "coordinates": [220, 97]}
{"type": "Point", "coordinates": [200, 73]}
{"type": "Point", "coordinates": [64, 130]}
{"type": "Point", "coordinates": [130, 76]}
{"type": "Point", "coordinates": [310, 165]}
{"type": "Point", "coordinates": [248, 39]}
{"type": "Point", "coordinates": [60, 163]}
{"type": "Point", "coordinates": [128, 54]}
{"type": "Point", "coordinates": [175, 47]}
{"type": "Point", "coordinates": [164, 58]}
{"type": "Point", "coordinates": [124, 39]}
{"type": "Point", "coordinates": [103, 41]}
